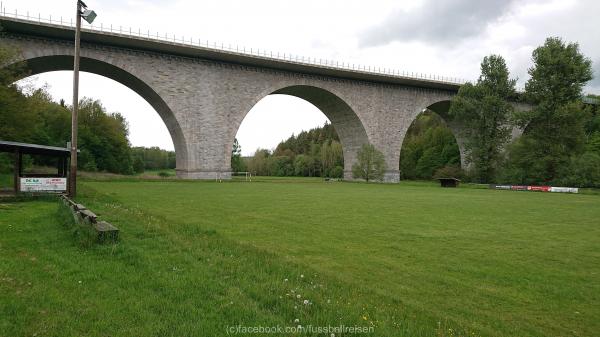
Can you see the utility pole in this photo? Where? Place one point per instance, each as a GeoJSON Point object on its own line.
{"type": "Point", "coordinates": [89, 16]}
{"type": "Point", "coordinates": [73, 170]}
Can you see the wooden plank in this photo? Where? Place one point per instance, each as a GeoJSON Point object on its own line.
{"type": "Point", "coordinates": [106, 232]}
{"type": "Point", "coordinates": [89, 214]}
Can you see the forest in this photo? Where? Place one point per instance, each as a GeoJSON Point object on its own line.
{"type": "Point", "coordinates": [313, 153]}
{"type": "Point", "coordinates": [429, 148]}
{"type": "Point", "coordinates": [103, 137]}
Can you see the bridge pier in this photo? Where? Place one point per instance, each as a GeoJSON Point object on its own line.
{"type": "Point", "coordinates": [391, 176]}
{"type": "Point", "coordinates": [203, 174]}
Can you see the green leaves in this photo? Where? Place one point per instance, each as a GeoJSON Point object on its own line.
{"type": "Point", "coordinates": [494, 79]}
{"type": "Point", "coordinates": [558, 75]}
{"type": "Point", "coordinates": [316, 152]}
{"type": "Point", "coordinates": [371, 164]}
{"type": "Point", "coordinates": [428, 146]}
{"type": "Point", "coordinates": [556, 126]}
{"type": "Point", "coordinates": [484, 114]}
{"type": "Point", "coordinates": [237, 164]}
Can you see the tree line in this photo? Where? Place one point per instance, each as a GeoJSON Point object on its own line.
{"type": "Point", "coordinates": [103, 143]}
{"type": "Point", "coordinates": [561, 134]}
{"type": "Point", "coordinates": [313, 153]}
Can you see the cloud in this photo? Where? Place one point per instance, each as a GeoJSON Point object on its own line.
{"type": "Point", "coordinates": [437, 21]}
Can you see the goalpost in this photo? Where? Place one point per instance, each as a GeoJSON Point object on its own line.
{"type": "Point", "coordinates": [219, 176]}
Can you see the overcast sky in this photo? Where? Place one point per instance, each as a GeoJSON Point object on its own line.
{"type": "Point", "coordinates": [438, 37]}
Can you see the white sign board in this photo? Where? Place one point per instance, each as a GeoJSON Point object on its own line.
{"type": "Point", "coordinates": [43, 184]}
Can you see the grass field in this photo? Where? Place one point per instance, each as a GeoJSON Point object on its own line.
{"type": "Point", "coordinates": [408, 260]}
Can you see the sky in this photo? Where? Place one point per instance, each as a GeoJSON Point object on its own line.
{"type": "Point", "coordinates": [443, 37]}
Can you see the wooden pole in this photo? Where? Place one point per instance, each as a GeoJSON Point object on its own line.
{"type": "Point", "coordinates": [73, 171]}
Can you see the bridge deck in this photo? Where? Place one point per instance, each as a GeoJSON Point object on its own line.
{"type": "Point", "coordinates": [21, 26]}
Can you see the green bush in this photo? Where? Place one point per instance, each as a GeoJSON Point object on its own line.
{"type": "Point", "coordinates": [428, 146]}
{"type": "Point", "coordinates": [337, 172]}
{"type": "Point", "coordinates": [583, 171]}
{"type": "Point", "coordinates": [138, 164]}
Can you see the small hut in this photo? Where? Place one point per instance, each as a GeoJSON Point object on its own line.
{"type": "Point", "coordinates": [38, 183]}
{"type": "Point", "coordinates": [449, 182]}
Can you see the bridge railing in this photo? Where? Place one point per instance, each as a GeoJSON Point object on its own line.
{"type": "Point", "coordinates": [229, 48]}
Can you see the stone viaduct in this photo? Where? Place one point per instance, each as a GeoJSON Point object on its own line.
{"type": "Point", "coordinates": [203, 94]}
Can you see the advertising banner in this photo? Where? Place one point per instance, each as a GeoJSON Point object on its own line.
{"type": "Point", "coordinates": [536, 188]}
{"type": "Point", "coordinates": [564, 189]}
{"type": "Point", "coordinates": [43, 184]}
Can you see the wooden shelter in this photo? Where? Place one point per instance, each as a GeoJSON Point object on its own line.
{"type": "Point", "coordinates": [44, 182]}
{"type": "Point", "coordinates": [449, 182]}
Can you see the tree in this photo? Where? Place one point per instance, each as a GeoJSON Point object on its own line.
{"type": "Point", "coordinates": [16, 113]}
{"type": "Point", "coordinates": [152, 158]}
{"type": "Point", "coordinates": [11, 69]}
{"type": "Point", "coordinates": [302, 165]}
{"type": "Point", "coordinates": [555, 127]}
{"type": "Point", "coordinates": [104, 136]}
{"type": "Point", "coordinates": [583, 171]}
{"type": "Point", "coordinates": [237, 164]}
{"type": "Point", "coordinates": [371, 164]}
{"type": "Point", "coordinates": [428, 146]}
{"type": "Point", "coordinates": [331, 157]}
{"type": "Point", "coordinates": [138, 164]}
{"type": "Point", "coordinates": [483, 110]}
{"type": "Point", "coordinates": [321, 147]}
{"type": "Point", "coordinates": [281, 166]}
{"type": "Point", "coordinates": [259, 163]}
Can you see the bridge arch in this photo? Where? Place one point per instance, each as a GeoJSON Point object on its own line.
{"type": "Point", "coordinates": [346, 122]}
{"type": "Point", "coordinates": [441, 108]}
{"type": "Point", "coordinates": [64, 62]}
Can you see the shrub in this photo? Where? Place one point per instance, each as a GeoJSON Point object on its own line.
{"type": "Point", "coordinates": [370, 165]}
{"type": "Point", "coordinates": [337, 172]}
{"type": "Point", "coordinates": [583, 171]}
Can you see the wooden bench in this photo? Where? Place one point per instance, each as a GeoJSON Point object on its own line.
{"type": "Point", "coordinates": [106, 232]}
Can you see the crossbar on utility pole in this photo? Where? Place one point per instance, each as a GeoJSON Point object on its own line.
{"type": "Point", "coordinates": [73, 170]}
